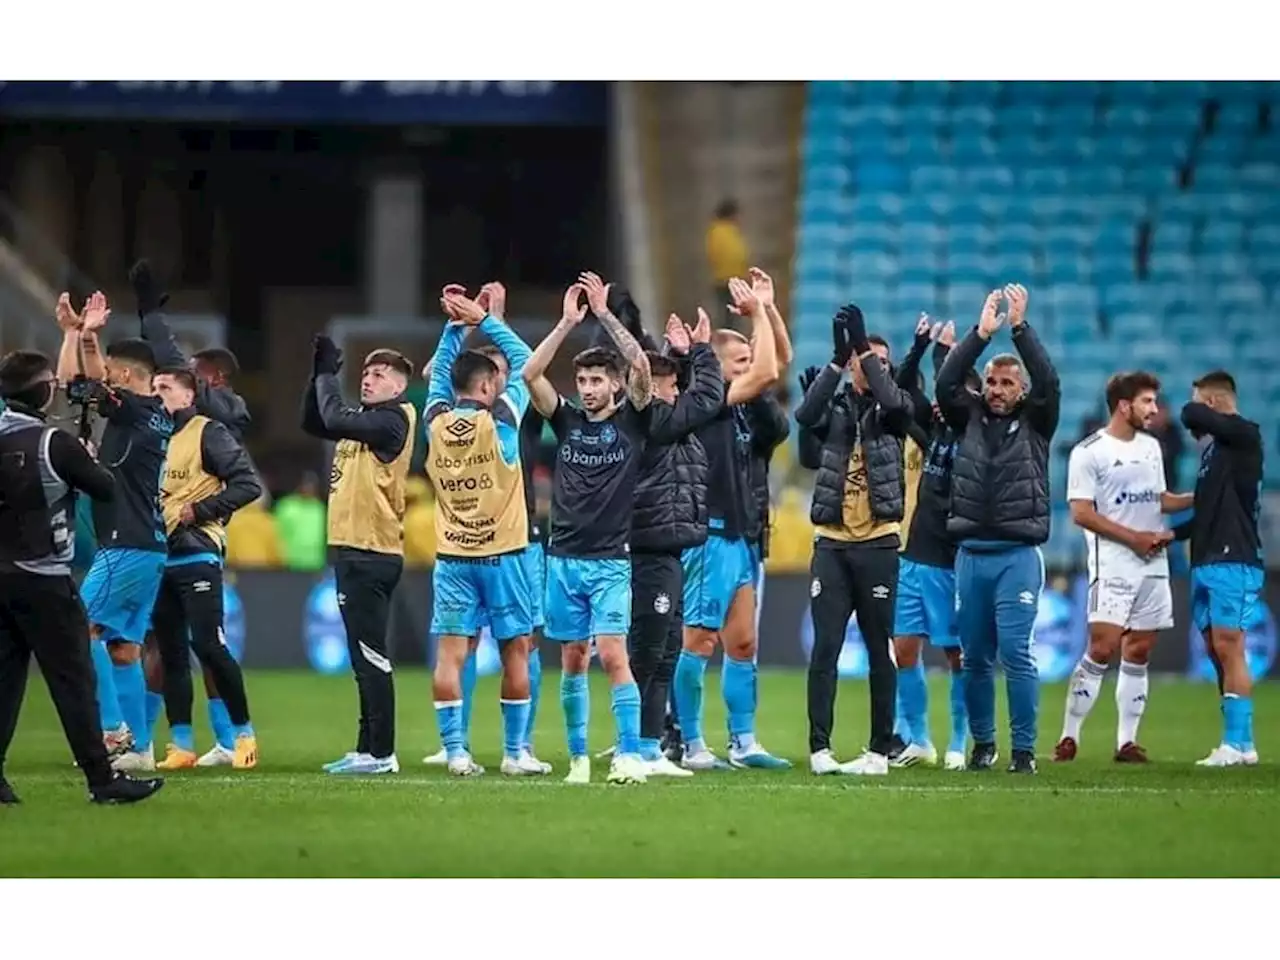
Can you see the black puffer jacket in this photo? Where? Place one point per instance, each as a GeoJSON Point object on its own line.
{"type": "Point", "coordinates": [670, 511]}
{"type": "Point", "coordinates": [1000, 478]}
{"type": "Point", "coordinates": [840, 418]}
{"type": "Point", "coordinates": [769, 428]}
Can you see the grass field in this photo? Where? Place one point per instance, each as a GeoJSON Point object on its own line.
{"type": "Point", "coordinates": [1091, 818]}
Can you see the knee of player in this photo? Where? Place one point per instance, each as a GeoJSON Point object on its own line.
{"type": "Point", "coordinates": [1136, 648]}
{"type": "Point", "coordinates": [613, 652]}
{"type": "Point", "coordinates": [1102, 648]}
{"type": "Point", "coordinates": [906, 650]}
{"type": "Point", "coordinates": [955, 659]}
{"type": "Point", "coordinates": [1226, 643]}
{"type": "Point", "coordinates": [575, 657]}
{"type": "Point", "coordinates": [700, 640]}
{"type": "Point", "coordinates": [122, 653]}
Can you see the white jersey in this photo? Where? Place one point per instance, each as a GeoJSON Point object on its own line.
{"type": "Point", "coordinates": [1125, 481]}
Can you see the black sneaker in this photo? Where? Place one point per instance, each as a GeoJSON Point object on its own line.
{"type": "Point", "coordinates": [124, 789]}
{"type": "Point", "coordinates": [983, 757]}
{"type": "Point", "coordinates": [7, 797]}
{"type": "Point", "coordinates": [1024, 761]}
{"type": "Point", "coordinates": [896, 746]}
{"type": "Point", "coordinates": [672, 746]}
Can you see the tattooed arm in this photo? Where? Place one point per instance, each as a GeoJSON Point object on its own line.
{"type": "Point", "coordinates": [639, 377]}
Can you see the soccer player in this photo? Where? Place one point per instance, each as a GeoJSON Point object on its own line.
{"type": "Point", "coordinates": [588, 570]}
{"type": "Point", "coordinates": [493, 298]}
{"type": "Point", "coordinates": [1116, 490]}
{"type": "Point", "coordinates": [1226, 552]}
{"type": "Point", "coordinates": [999, 518]}
{"type": "Point", "coordinates": [926, 601]}
{"type": "Point", "coordinates": [720, 575]}
{"type": "Point", "coordinates": [366, 528]}
{"type": "Point", "coordinates": [216, 399]}
{"type": "Point", "coordinates": [482, 527]}
{"type": "Point", "coordinates": [122, 583]}
{"type": "Point", "coordinates": [207, 478]}
{"type": "Point", "coordinates": [858, 500]}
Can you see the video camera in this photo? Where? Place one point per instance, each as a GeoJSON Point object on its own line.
{"type": "Point", "coordinates": [81, 391]}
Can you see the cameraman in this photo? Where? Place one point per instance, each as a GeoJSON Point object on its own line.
{"type": "Point", "coordinates": [41, 468]}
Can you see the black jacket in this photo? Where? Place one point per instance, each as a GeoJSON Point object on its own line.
{"type": "Point", "coordinates": [670, 511]}
{"type": "Point", "coordinates": [217, 403]}
{"type": "Point", "coordinates": [382, 427]}
{"type": "Point", "coordinates": [221, 456]}
{"type": "Point", "coordinates": [928, 541]}
{"type": "Point", "coordinates": [769, 429]}
{"type": "Point", "coordinates": [839, 418]}
{"type": "Point", "coordinates": [1000, 478]}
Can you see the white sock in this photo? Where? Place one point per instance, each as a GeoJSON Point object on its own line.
{"type": "Point", "coordinates": [1131, 700]}
{"type": "Point", "coordinates": [1082, 694]}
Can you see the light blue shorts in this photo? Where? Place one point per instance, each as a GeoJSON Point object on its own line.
{"type": "Point", "coordinates": [120, 591]}
{"type": "Point", "coordinates": [535, 563]}
{"type": "Point", "coordinates": [926, 603]}
{"type": "Point", "coordinates": [713, 574]}
{"type": "Point", "coordinates": [1226, 595]}
{"type": "Point", "coordinates": [492, 591]}
{"type": "Point", "coordinates": [587, 598]}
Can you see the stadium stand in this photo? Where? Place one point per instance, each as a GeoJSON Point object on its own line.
{"type": "Point", "coordinates": [1143, 216]}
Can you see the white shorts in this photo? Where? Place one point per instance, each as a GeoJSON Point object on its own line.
{"type": "Point", "coordinates": [1138, 605]}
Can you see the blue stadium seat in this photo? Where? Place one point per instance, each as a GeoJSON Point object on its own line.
{"type": "Point", "coordinates": [879, 91]}
{"type": "Point", "coordinates": [1221, 148]}
{"type": "Point", "coordinates": [930, 92]}
{"type": "Point", "coordinates": [1020, 122]}
{"type": "Point", "coordinates": [1126, 118]}
{"type": "Point", "coordinates": [933, 179]}
{"type": "Point", "coordinates": [875, 175]}
{"type": "Point", "coordinates": [1171, 236]}
{"type": "Point", "coordinates": [988, 181]}
{"type": "Point", "coordinates": [1095, 179]}
{"type": "Point", "coordinates": [862, 266]}
{"type": "Point", "coordinates": [921, 235]}
{"type": "Point", "coordinates": [984, 92]}
{"type": "Point", "coordinates": [1238, 117]}
{"type": "Point", "coordinates": [1176, 118]}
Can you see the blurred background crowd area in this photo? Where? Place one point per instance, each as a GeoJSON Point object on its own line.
{"type": "Point", "coordinates": [1144, 217]}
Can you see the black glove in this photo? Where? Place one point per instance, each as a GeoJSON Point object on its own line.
{"type": "Point", "coordinates": [145, 289]}
{"type": "Point", "coordinates": [856, 327]}
{"type": "Point", "coordinates": [327, 357]}
{"type": "Point", "coordinates": [842, 346]}
{"type": "Point", "coordinates": [806, 379]}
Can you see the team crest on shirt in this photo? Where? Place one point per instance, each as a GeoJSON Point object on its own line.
{"type": "Point", "coordinates": [662, 604]}
{"type": "Point", "coordinates": [815, 588]}
{"type": "Point", "coordinates": [608, 434]}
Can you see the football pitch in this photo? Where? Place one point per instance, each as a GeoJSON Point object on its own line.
{"type": "Point", "coordinates": [1089, 818]}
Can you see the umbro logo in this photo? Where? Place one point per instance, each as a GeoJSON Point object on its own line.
{"type": "Point", "coordinates": [461, 428]}
{"type": "Point", "coordinates": [880, 592]}
{"type": "Point", "coordinates": [1027, 597]}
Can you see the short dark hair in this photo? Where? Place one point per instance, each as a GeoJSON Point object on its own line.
{"type": "Point", "coordinates": [469, 367]}
{"type": "Point", "coordinates": [662, 366]}
{"type": "Point", "coordinates": [1216, 380]}
{"type": "Point", "coordinates": [135, 352]}
{"type": "Point", "coordinates": [185, 377]}
{"type": "Point", "coordinates": [598, 357]}
{"type": "Point", "coordinates": [20, 369]}
{"type": "Point", "coordinates": [727, 209]}
{"type": "Point", "coordinates": [880, 341]}
{"type": "Point", "coordinates": [391, 358]}
{"type": "Point", "coordinates": [1128, 385]}
{"type": "Point", "coordinates": [220, 358]}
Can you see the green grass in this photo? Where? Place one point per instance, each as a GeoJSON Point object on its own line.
{"type": "Point", "coordinates": [1091, 818]}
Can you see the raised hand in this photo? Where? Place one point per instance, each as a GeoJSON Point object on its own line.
{"type": "Point", "coordinates": [326, 358]}
{"type": "Point", "coordinates": [493, 298]}
{"type": "Point", "coordinates": [702, 332]}
{"type": "Point", "coordinates": [947, 335]}
{"type": "Point", "coordinates": [1016, 294]}
{"type": "Point", "coordinates": [761, 286]}
{"type": "Point", "coordinates": [924, 327]}
{"type": "Point", "coordinates": [574, 307]}
{"type": "Point", "coordinates": [745, 302]}
{"type": "Point", "coordinates": [463, 309]}
{"type": "Point", "coordinates": [597, 292]}
{"type": "Point", "coordinates": [991, 318]}
{"type": "Point", "coordinates": [451, 290]}
{"type": "Point", "coordinates": [678, 335]}
{"type": "Point", "coordinates": [856, 325]}
{"type": "Point", "coordinates": [95, 313]}
{"type": "Point", "coordinates": [806, 379]}
{"type": "Point", "coordinates": [65, 314]}
{"type": "Point", "coordinates": [841, 345]}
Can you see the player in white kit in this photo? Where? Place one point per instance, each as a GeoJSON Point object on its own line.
{"type": "Point", "coordinates": [1116, 490]}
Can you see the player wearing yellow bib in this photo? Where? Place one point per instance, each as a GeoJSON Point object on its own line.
{"type": "Point", "coordinates": [482, 527]}
{"type": "Point", "coordinates": [207, 478]}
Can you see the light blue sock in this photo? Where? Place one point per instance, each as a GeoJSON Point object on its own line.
{"type": "Point", "coordinates": [108, 698]}
{"type": "Point", "coordinates": [469, 677]}
{"type": "Point", "coordinates": [901, 729]}
{"type": "Point", "coordinates": [243, 730]}
{"type": "Point", "coordinates": [155, 703]}
{"type": "Point", "coordinates": [220, 723]}
{"type": "Point", "coordinates": [624, 698]}
{"type": "Point", "coordinates": [131, 688]}
{"type": "Point", "coordinates": [515, 721]}
{"type": "Point", "coordinates": [650, 749]}
{"type": "Point", "coordinates": [575, 701]}
{"type": "Point", "coordinates": [181, 735]}
{"type": "Point", "coordinates": [1237, 721]}
{"type": "Point", "coordinates": [449, 720]}
{"type": "Point", "coordinates": [690, 675]}
{"type": "Point", "coordinates": [959, 713]}
{"type": "Point", "coordinates": [913, 699]}
{"type": "Point", "coordinates": [535, 689]}
{"type": "Point", "coordinates": [740, 699]}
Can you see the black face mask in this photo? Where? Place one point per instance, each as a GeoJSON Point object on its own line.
{"type": "Point", "coordinates": [35, 397]}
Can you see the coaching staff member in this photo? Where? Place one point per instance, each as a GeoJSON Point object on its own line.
{"type": "Point", "coordinates": [41, 468]}
{"type": "Point", "coordinates": [999, 518]}
{"type": "Point", "coordinates": [858, 501]}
